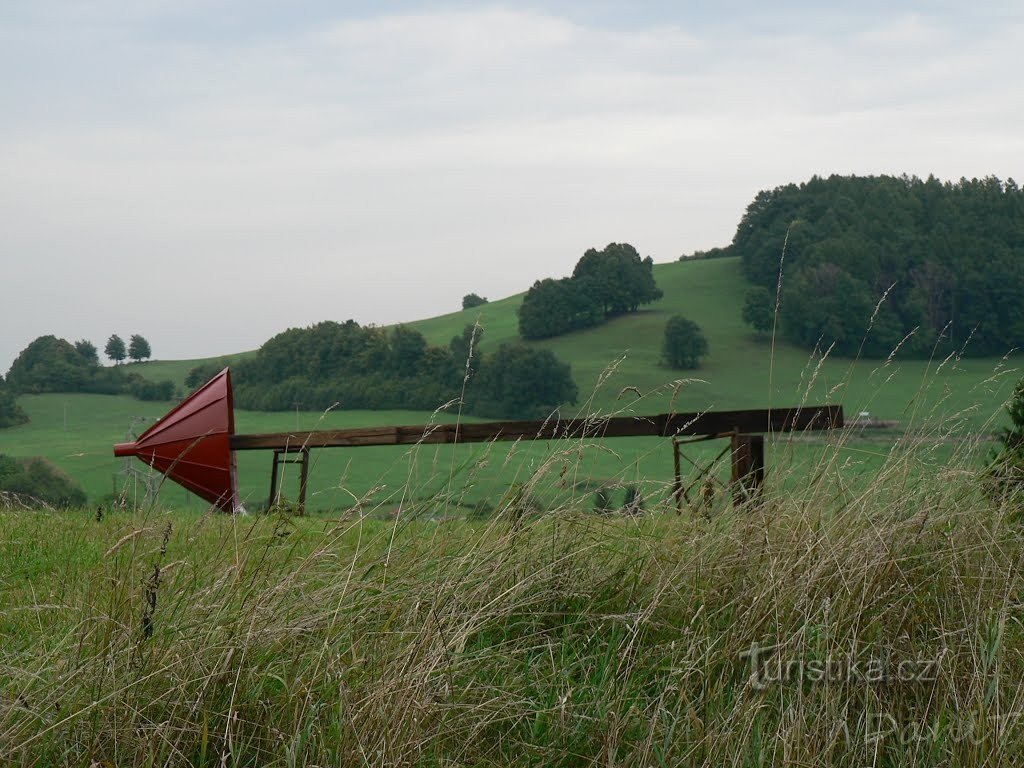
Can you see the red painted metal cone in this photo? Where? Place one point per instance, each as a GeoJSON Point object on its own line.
{"type": "Point", "coordinates": [192, 444]}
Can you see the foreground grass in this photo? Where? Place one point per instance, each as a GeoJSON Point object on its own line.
{"type": "Point", "coordinates": [552, 638]}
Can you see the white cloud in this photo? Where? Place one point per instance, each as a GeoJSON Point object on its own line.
{"type": "Point", "coordinates": [293, 176]}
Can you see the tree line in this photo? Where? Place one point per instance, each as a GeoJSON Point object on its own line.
{"type": "Point", "coordinates": [52, 364]}
{"type": "Point", "coordinates": [604, 283]}
{"type": "Point", "coordinates": [367, 367]}
{"type": "Point", "coordinates": [879, 262]}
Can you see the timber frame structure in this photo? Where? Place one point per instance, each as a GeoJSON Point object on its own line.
{"type": "Point", "coordinates": [195, 443]}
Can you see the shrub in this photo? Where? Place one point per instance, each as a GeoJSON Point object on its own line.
{"type": "Point", "coordinates": [38, 479]}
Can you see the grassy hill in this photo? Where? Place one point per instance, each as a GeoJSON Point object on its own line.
{"type": "Point", "coordinates": [742, 371]}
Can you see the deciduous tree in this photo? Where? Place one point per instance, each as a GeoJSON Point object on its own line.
{"type": "Point", "coordinates": [758, 309]}
{"type": "Point", "coordinates": [115, 349]}
{"type": "Point", "coordinates": [684, 343]}
{"type": "Point", "coordinates": [138, 348]}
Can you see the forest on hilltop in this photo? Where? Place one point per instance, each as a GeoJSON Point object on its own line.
{"type": "Point", "coordinates": [948, 258]}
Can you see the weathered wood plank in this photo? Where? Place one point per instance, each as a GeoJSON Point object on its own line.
{"type": "Point", "coordinates": [756, 421]}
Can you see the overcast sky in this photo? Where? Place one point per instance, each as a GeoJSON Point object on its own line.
{"type": "Point", "coordinates": [208, 173]}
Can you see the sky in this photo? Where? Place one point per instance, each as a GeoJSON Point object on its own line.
{"type": "Point", "coordinates": [208, 174]}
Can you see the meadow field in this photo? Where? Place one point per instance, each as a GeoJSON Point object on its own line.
{"type": "Point", "coordinates": [832, 623]}
{"type": "Point", "coordinates": [473, 605]}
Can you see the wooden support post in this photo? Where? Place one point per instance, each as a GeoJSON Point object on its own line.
{"type": "Point", "coordinates": [677, 485]}
{"type": "Point", "coordinates": [303, 474]}
{"type": "Point", "coordinates": [273, 481]}
{"type": "Point", "coordinates": [281, 456]}
{"type": "Point", "coordinates": [747, 467]}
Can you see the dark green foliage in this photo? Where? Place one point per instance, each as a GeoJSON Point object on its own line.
{"type": "Point", "coordinates": [759, 309]}
{"type": "Point", "coordinates": [465, 348]}
{"type": "Point", "coordinates": [408, 348]}
{"type": "Point", "coordinates": [684, 344]}
{"type": "Point", "coordinates": [520, 381]}
{"type": "Point", "coordinates": [950, 258]}
{"type": "Point", "coordinates": [617, 278]}
{"type": "Point", "coordinates": [713, 253]}
{"type": "Point", "coordinates": [349, 366]}
{"type": "Point", "coordinates": [138, 348]}
{"type": "Point", "coordinates": [11, 413]}
{"type": "Point", "coordinates": [115, 348]}
{"type": "Point", "coordinates": [553, 307]}
{"type": "Point", "coordinates": [603, 284]}
{"type": "Point", "coordinates": [38, 479]}
{"type": "Point", "coordinates": [1007, 469]}
{"type": "Point", "coordinates": [602, 501]}
{"type": "Point", "coordinates": [144, 389]}
{"type": "Point", "coordinates": [203, 372]}
{"type": "Point", "coordinates": [88, 351]}
{"type": "Point", "coordinates": [49, 364]}
{"type": "Point", "coordinates": [471, 300]}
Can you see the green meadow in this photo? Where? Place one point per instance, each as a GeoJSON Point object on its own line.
{"type": "Point", "coordinates": [742, 369]}
{"type": "Point", "coordinates": [536, 636]}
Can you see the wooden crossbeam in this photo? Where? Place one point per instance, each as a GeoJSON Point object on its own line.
{"type": "Point", "coordinates": [756, 421]}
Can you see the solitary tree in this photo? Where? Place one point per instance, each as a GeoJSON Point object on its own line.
{"type": "Point", "coordinates": [684, 344]}
{"type": "Point", "coordinates": [471, 300]}
{"type": "Point", "coordinates": [138, 348]}
{"type": "Point", "coordinates": [115, 349]}
{"type": "Point", "coordinates": [758, 311]}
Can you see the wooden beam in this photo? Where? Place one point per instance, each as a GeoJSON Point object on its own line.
{"type": "Point", "coordinates": [757, 421]}
{"type": "Point", "coordinates": [747, 467]}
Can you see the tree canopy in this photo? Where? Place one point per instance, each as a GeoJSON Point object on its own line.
{"type": "Point", "coordinates": [604, 283]}
{"type": "Point", "coordinates": [518, 381]}
{"type": "Point", "coordinates": [11, 413]}
{"type": "Point", "coordinates": [684, 343]}
{"type": "Point", "coordinates": [759, 309]}
{"type": "Point", "coordinates": [115, 348]}
{"type": "Point", "coordinates": [365, 367]}
{"type": "Point", "coordinates": [138, 348]}
{"type": "Point", "coordinates": [948, 258]}
{"type": "Point", "coordinates": [471, 300]}
{"type": "Point", "coordinates": [88, 351]}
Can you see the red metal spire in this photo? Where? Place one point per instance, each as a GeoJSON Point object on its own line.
{"type": "Point", "coordinates": [192, 444]}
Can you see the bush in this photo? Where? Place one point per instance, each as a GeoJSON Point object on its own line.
{"type": "Point", "coordinates": [37, 479]}
{"type": "Point", "coordinates": [144, 389]}
{"type": "Point", "coordinates": [471, 300]}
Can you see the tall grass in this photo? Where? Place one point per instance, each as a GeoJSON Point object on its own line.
{"type": "Point", "coordinates": [546, 636]}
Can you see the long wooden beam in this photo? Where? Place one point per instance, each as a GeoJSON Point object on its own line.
{"type": "Point", "coordinates": [756, 421]}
